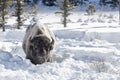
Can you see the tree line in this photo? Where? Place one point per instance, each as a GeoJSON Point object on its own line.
{"type": "Point", "coordinates": [17, 7]}
{"type": "Point", "coordinates": [113, 3]}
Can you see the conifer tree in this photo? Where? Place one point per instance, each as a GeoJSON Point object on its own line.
{"type": "Point", "coordinates": [34, 13]}
{"type": "Point", "coordinates": [35, 1]}
{"type": "Point", "coordinates": [34, 9]}
{"type": "Point", "coordinates": [65, 11]}
{"type": "Point", "coordinates": [102, 2]}
{"type": "Point", "coordinates": [91, 9]}
{"type": "Point", "coordinates": [19, 12]}
{"type": "Point", "coordinates": [28, 1]}
{"type": "Point", "coordinates": [119, 10]}
{"type": "Point", "coordinates": [77, 2]}
{"type": "Point", "coordinates": [48, 2]}
{"type": "Point", "coordinates": [4, 4]}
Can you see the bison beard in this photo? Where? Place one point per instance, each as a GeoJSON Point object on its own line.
{"type": "Point", "coordinates": [38, 49]}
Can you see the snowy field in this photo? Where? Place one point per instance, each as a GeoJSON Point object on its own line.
{"type": "Point", "coordinates": [88, 49]}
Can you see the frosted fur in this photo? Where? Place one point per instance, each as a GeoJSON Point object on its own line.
{"type": "Point", "coordinates": [37, 30]}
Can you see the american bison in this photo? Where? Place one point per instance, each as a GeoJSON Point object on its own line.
{"type": "Point", "coordinates": [38, 43]}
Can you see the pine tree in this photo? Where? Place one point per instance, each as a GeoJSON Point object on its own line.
{"type": "Point", "coordinates": [34, 9]}
{"type": "Point", "coordinates": [65, 11]}
{"type": "Point", "coordinates": [91, 9]}
{"type": "Point", "coordinates": [77, 2]}
{"type": "Point", "coordinates": [35, 1]}
{"type": "Point", "coordinates": [4, 4]}
{"type": "Point", "coordinates": [19, 12]}
{"type": "Point", "coordinates": [119, 10]}
{"type": "Point", "coordinates": [28, 1]}
{"type": "Point", "coordinates": [116, 3]}
{"type": "Point", "coordinates": [48, 2]}
{"type": "Point", "coordinates": [112, 2]}
{"type": "Point", "coordinates": [102, 2]}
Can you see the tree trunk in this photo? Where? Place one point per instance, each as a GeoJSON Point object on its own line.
{"type": "Point", "coordinates": [3, 21]}
{"type": "Point", "coordinates": [19, 22]}
{"type": "Point", "coordinates": [65, 14]}
{"type": "Point", "coordinates": [3, 17]}
{"type": "Point", "coordinates": [64, 22]}
{"type": "Point", "coordinates": [119, 11]}
{"type": "Point", "coordinates": [19, 14]}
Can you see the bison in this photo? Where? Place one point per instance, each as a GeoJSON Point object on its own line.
{"type": "Point", "coordinates": [38, 43]}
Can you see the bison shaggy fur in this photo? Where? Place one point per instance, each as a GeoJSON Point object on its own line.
{"type": "Point", "coordinates": [38, 43]}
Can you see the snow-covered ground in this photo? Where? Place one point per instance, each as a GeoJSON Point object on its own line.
{"type": "Point", "coordinates": [88, 49]}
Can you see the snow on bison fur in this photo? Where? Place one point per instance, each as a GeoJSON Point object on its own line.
{"type": "Point", "coordinates": [38, 43]}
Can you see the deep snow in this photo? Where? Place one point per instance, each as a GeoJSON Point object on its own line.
{"type": "Point", "coordinates": [88, 49]}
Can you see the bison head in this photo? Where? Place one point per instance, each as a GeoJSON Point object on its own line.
{"type": "Point", "coordinates": [40, 49]}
